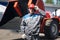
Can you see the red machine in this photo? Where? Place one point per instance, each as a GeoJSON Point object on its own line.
{"type": "Point", "coordinates": [49, 26]}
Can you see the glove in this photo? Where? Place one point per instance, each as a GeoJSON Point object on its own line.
{"type": "Point", "coordinates": [36, 8]}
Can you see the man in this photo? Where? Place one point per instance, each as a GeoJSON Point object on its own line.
{"type": "Point", "coordinates": [30, 25]}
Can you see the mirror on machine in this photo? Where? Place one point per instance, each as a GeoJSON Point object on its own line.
{"type": "Point", "coordinates": [56, 13]}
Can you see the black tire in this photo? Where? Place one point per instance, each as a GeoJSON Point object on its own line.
{"type": "Point", "coordinates": [51, 31]}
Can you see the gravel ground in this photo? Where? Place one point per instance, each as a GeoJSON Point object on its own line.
{"type": "Point", "coordinates": [9, 31]}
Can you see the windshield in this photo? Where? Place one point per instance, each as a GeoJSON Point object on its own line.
{"type": "Point", "coordinates": [3, 6]}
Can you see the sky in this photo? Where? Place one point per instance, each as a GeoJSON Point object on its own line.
{"type": "Point", "coordinates": [55, 1]}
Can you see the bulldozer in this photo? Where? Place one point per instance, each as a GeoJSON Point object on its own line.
{"type": "Point", "coordinates": [49, 26]}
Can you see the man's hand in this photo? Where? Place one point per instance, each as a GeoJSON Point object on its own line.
{"type": "Point", "coordinates": [40, 11]}
{"type": "Point", "coordinates": [36, 8]}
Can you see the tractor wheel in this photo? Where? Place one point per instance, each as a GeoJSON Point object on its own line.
{"type": "Point", "coordinates": [51, 30]}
